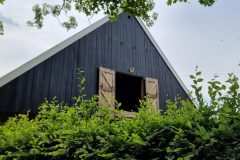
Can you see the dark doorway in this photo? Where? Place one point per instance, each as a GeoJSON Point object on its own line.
{"type": "Point", "coordinates": [129, 90]}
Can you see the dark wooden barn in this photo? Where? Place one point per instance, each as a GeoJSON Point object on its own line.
{"type": "Point", "coordinates": [120, 59]}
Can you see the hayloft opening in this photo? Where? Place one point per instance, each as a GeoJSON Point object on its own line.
{"type": "Point", "coordinates": [129, 90]}
{"type": "Point", "coordinates": [126, 89]}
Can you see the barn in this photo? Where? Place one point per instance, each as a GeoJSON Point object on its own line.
{"type": "Point", "coordinates": [120, 59]}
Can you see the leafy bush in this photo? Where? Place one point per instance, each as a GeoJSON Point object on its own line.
{"type": "Point", "coordinates": [86, 131]}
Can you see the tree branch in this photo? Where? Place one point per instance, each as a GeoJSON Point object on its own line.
{"type": "Point", "coordinates": [64, 1]}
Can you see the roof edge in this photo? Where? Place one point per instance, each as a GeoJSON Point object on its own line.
{"type": "Point", "coordinates": [162, 54]}
{"type": "Point", "coordinates": [49, 53]}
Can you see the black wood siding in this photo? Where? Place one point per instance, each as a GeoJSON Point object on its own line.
{"type": "Point", "coordinates": [118, 46]}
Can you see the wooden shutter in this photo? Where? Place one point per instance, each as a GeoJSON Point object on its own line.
{"type": "Point", "coordinates": [152, 91]}
{"type": "Point", "coordinates": [106, 87]}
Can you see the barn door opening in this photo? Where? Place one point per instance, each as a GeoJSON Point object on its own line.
{"type": "Point", "coordinates": [129, 90]}
{"type": "Point", "coordinates": [126, 89]}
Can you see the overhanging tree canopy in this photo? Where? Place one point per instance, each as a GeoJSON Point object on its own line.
{"type": "Point", "coordinates": [139, 8]}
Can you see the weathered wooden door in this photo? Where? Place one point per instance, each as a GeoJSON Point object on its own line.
{"type": "Point", "coordinates": [107, 87]}
{"type": "Point", "coordinates": [152, 92]}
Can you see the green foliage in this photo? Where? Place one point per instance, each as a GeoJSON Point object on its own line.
{"type": "Point", "coordinates": [202, 2]}
{"type": "Point", "coordinates": [112, 8]}
{"type": "Point", "coordinates": [86, 131]}
{"type": "Point", "coordinates": [1, 28]}
{"type": "Point", "coordinates": [2, 1]}
{"type": "Point", "coordinates": [1, 23]}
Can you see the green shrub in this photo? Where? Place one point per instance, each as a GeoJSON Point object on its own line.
{"type": "Point", "coordinates": [86, 131]}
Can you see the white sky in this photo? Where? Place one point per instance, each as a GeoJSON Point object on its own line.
{"type": "Point", "coordinates": [188, 34]}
